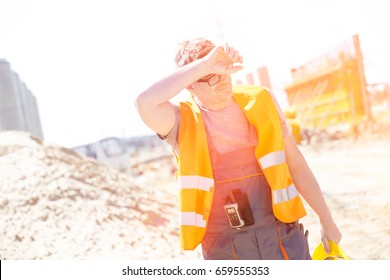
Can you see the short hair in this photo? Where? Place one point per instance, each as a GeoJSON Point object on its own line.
{"type": "Point", "coordinates": [193, 50]}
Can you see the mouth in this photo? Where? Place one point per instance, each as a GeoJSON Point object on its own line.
{"type": "Point", "coordinates": [223, 86]}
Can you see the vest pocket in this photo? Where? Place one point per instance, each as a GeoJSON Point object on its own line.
{"type": "Point", "coordinates": [219, 248]}
{"type": "Point", "coordinates": [207, 246]}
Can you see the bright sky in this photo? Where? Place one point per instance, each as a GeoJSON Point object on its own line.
{"type": "Point", "coordinates": [86, 60]}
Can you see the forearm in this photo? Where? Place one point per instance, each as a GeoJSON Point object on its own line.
{"type": "Point", "coordinates": [305, 181]}
{"type": "Point", "coordinates": [153, 104]}
{"type": "Point", "coordinates": [310, 190]}
{"type": "Point", "coordinates": [167, 88]}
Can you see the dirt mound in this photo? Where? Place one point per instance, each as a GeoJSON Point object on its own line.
{"type": "Point", "coordinates": [56, 204]}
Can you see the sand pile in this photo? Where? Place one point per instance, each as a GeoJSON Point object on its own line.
{"type": "Point", "coordinates": [56, 204]}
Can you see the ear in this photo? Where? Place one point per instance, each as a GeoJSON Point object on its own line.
{"type": "Point", "coordinates": [190, 89]}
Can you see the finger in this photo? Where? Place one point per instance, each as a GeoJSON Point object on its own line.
{"type": "Point", "coordinates": [230, 51]}
{"type": "Point", "coordinates": [226, 48]}
{"type": "Point", "coordinates": [233, 54]}
{"type": "Point", "coordinates": [307, 234]}
{"type": "Point", "coordinates": [224, 56]}
{"type": "Point", "coordinates": [233, 69]}
{"type": "Point", "coordinates": [240, 59]}
{"type": "Point", "coordinates": [236, 56]}
{"type": "Point", "coordinates": [325, 242]}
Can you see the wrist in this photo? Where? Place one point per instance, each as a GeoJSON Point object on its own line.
{"type": "Point", "coordinates": [326, 218]}
{"type": "Point", "coordinates": [203, 66]}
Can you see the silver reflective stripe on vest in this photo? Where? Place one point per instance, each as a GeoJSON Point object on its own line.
{"type": "Point", "coordinates": [285, 194]}
{"type": "Point", "coordinates": [192, 219]}
{"type": "Point", "coordinates": [195, 182]}
{"type": "Point", "coordinates": [272, 159]}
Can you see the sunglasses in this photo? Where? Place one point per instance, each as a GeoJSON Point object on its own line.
{"type": "Point", "coordinates": [210, 79]}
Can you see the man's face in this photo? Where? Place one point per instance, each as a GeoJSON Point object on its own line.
{"type": "Point", "coordinates": [213, 89]}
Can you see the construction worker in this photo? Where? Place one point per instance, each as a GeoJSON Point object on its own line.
{"type": "Point", "coordinates": [240, 172]}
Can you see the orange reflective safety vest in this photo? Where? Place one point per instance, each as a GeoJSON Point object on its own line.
{"type": "Point", "coordinates": [195, 175]}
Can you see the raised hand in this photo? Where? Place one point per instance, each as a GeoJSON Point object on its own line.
{"type": "Point", "coordinates": [223, 60]}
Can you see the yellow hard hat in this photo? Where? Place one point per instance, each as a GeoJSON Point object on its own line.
{"type": "Point", "coordinates": [335, 252]}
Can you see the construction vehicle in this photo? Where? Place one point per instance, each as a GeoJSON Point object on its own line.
{"type": "Point", "coordinates": [329, 94]}
{"type": "Point", "coordinates": [110, 151]}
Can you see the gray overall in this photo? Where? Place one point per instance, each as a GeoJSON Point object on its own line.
{"type": "Point", "coordinates": [268, 237]}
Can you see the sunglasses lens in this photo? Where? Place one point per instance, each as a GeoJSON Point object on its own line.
{"type": "Point", "coordinates": [205, 79]}
{"type": "Point", "coordinates": [210, 79]}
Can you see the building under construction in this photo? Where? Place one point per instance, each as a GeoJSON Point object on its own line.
{"type": "Point", "coordinates": [331, 91]}
{"type": "Point", "coordinates": [18, 106]}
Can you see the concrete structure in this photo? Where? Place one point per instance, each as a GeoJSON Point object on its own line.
{"type": "Point", "coordinates": [18, 106]}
